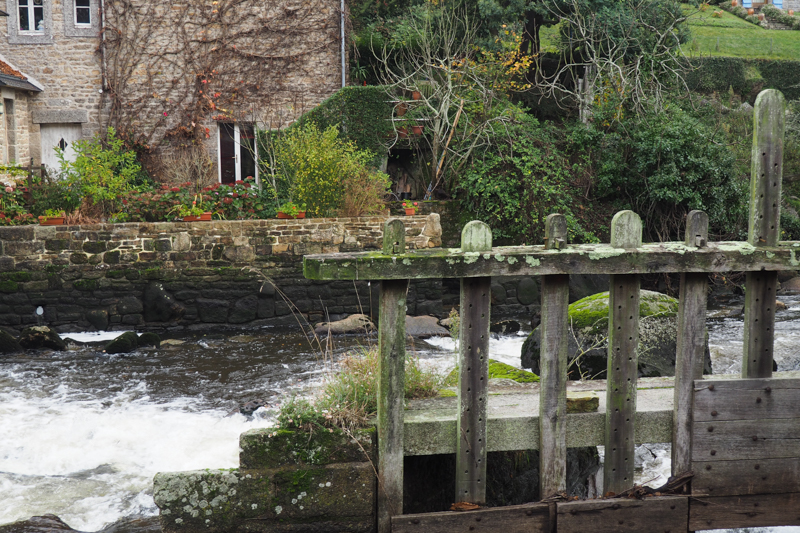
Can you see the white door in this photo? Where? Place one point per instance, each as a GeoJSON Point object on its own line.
{"type": "Point", "coordinates": [60, 136]}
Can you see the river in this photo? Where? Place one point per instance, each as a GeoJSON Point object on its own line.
{"type": "Point", "coordinates": [84, 432]}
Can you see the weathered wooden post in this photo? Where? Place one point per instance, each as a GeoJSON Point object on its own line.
{"type": "Point", "coordinates": [391, 385]}
{"type": "Point", "coordinates": [623, 338]}
{"type": "Point", "coordinates": [553, 368]}
{"type": "Point", "coordinates": [764, 229]}
{"type": "Point", "coordinates": [691, 345]}
{"type": "Point", "coordinates": [473, 371]}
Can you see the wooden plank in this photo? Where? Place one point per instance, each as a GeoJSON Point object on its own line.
{"type": "Point", "coordinates": [666, 514]}
{"type": "Point", "coordinates": [744, 511]}
{"type": "Point", "coordinates": [527, 518]}
{"type": "Point", "coordinates": [763, 230]}
{"type": "Point", "coordinates": [733, 478]}
{"type": "Point", "coordinates": [746, 439]}
{"type": "Point", "coordinates": [623, 338]}
{"type": "Point", "coordinates": [752, 399]}
{"type": "Point", "coordinates": [473, 377]}
{"type": "Point", "coordinates": [691, 345]}
{"type": "Point", "coordinates": [536, 261]}
{"type": "Point", "coordinates": [391, 386]}
{"type": "Point", "coordinates": [553, 369]}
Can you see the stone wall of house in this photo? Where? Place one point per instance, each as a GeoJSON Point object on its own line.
{"type": "Point", "coordinates": [66, 61]}
{"type": "Point", "coordinates": [192, 275]}
{"type": "Point", "coordinates": [15, 142]}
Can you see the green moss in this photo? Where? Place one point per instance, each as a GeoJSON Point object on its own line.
{"type": "Point", "coordinates": [446, 393]}
{"type": "Point", "coordinates": [21, 277]}
{"type": "Point", "coordinates": [54, 268]}
{"type": "Point", "coordinates": [86, 284]}
{"type": "Point", "coordinates": [115, 274]}
{"type": "Point", "coordinates": [496, 370]}
{"type": "Point", "coordinates": [592, 311]}
{"type": "Point", "coordinates": [9, 286]}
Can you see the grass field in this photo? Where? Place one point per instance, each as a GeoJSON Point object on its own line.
{"type": "Point", "coordinates": [733, 37]}
{"type": "Point", "coordinates": [725, 36]}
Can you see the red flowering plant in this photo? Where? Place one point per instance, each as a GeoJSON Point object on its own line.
{"type": "Point", "coordinates": [12, 207]}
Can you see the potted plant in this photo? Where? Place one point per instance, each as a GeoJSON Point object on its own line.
{"type": "Point", "coordinates": [52, 217]}
{"type": "Point", "coordinates": [195, 213]}
{"type": "Point", "coordinates": [292, 210]}
{"type": "Point", "coordinates": [410, 207]}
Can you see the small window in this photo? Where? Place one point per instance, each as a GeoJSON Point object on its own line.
{"type": "Point", "coordinates": [31, 16]}
{"type": "Point", "coordinates": [83, 12]}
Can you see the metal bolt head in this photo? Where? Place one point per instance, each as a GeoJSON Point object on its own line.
{"type": "Point", "coordinates": [710, 429]}
{"type": "Point", "coordinates": [714, 413]}
{"type": "Point", "coordinates": [711, 387]}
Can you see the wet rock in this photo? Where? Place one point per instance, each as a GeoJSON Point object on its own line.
{"type": "Point", "coordinates": [244, 310]}
{"type": "Point", "coordinates": [583, 285]}
{"type": "Point", "coordinates": [504, 326]}
{"type": "Point", "coordinates": [588, 346]}
{"type": "Point", "coordinates": [790, 286]}
{"type": "Point", "coordinates": [353, 324]}
{"type": "Point", "coordinates": [38, 337]}
{"type": "Point", "coordinates": [172, 342]}
{"type": "Point", "coordinates": [98, 318]}
{"type": "Point", "coordinates": [37, 524]}
{"type": "Point", "coordinates": [528, 291]}
{"type": "Point", "coordinates": [9, 343]}
{"type": "Point", "coordinates": [159, 305]}
{"type": "Point", "coordinates": [149, 339]}
{"type": "Point", "coordinates": [125, 343]}
{"type": "Point", "coordinates": [141, 524]}
{"type": "Point", "coordinates": [425, 326]}
{"type": "Point", "coordinates": [251, 407]}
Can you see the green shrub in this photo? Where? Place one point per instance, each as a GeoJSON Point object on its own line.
{"type": "Point", "coordinates": [313, 167]}
{"type": "Point", "coordinates": [664, 165]}
{"type": "Point", "coordinates": [516, 184]}
{"type": "Point", "coordinates": [103, 169]}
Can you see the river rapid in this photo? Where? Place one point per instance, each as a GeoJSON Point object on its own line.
{"type": "Point", "coordinates": [83, 432]}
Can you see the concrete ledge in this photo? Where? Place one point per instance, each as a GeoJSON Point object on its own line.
{"type": "Point", "coordinates": [59, 116]}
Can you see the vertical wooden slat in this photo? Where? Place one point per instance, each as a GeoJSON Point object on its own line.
{"type": "Point", "coordinates": [691, 345]}
{"type": "Point", "coordinates": [553, 369]}
{"type": "Point", "coordinates": [623, 338]}
{"type": "Point", "coordinates": [473, 377]}
{"type": "Point", "coordinates": [763, 230]}
{"type": "Point", "coordinates": [391, 385]}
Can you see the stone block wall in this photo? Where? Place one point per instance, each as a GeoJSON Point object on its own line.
{"type": "Point", "coordinates": [191, 275]}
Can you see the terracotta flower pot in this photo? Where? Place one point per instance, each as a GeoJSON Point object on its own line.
{"type": "Point", "coordinates": [402, 132]}
{"type": "Point", "coordinates": [751, 11]}
{"type": "Point", "coordinates": [198, 218]}
{"type": "Point", "coordinates": [401, 110]}
{"type": "Point", "coordinates": [734, 3]}
{"type": "Point", "coordinates": [410, 212]}
{"type": "Point", "coordinates": [417, 129]}
{"type": "Point", "coordinates": [51, 221]}
{"type": "Point", "coordinates": [416, 95]}
{"type": "Point", "coordinates": [791, 12]}
{"type": "Point", "coordinates": [301, 214]}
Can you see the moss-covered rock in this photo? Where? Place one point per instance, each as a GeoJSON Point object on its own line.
{"type": "Point", "coordinates": [270, 448]}
{"type": "Point", "coordinates": [496, 370]}
{"type": "Point", "coordinates": [38, 337]}
{"type": "Point", "coordinates": [588, 346]}
{"type": "Point", "coordinates": [8, 343]}
{"type": "Point", "coordinates": [125, 343]}
{"type": "Point", "coordinates": [149, 339]}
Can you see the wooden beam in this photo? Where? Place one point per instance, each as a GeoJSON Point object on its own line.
{"type": "Point", "coordinates": [667, 514]}
{"type": "Point", "coordinates": [391, 385]}
{"type": "Point", "coordinates": [690, 345]}
{"type": "Point", "coordinates": [769, 118]}
{"type": "Point", "coordinates": [755, 476]}
{"type": "Point", "coordinates": [527, 518]}
{"type": "Point", "coordinates": [553, 369]}
{"type": "Point", "coordinates": [623, 339]}
{"type": "Point", "coordinates": [756, 399]}
{"type": "Point", "coordinates": [732, 440]}
{"type": "Point", "coordinates": [473, 375]}
{"type": "Point", "coordinates": [536, 261]}
{"type": "Point", "coordinates": [744, 511]}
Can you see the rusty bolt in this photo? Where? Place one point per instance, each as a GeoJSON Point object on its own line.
{"type": "Point", "coordinates": [710, 429]}
{"type": "Point", "coordinates": [528, 513]}
{"type": "Point", "coordinates": [713, 452]}
{"type": "Point", "coordinates": [755, 438]}
{"type": "Point", "coordinates": [708, 467]}
{"type": "Point", "coordinates": [415, 521]}
{"type": "Point", "coordinates": [711, 387]}
{"type": "Point", "coordinates": [616, 506]}
{"type": "Point", "coordinates": [768, 390]}
{"type": "Point", "coordinates": [672, 507]}
{"type": "Point", "coordinates": [758, 400]}
{"type": "Point", "coordinates": [478, 519]}
{"type": "Point", "coordinates": [713, 413]}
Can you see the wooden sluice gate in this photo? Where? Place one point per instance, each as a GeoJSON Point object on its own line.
{"type": "Point", "coordinates": [736, 440]}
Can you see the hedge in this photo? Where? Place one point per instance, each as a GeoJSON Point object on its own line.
{"type": "Point", "coordinates": [718, 74]}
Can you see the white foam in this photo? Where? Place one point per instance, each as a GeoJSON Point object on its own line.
{"type": "Point", "coordinates": [94, 336]}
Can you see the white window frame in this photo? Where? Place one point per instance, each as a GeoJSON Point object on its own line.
{"type": "Point", "coordinates": [75, 14]}
{"type": "Point", "coordinates": [31, 8]}
{"type": "Point", "coordinates": [237, 147]}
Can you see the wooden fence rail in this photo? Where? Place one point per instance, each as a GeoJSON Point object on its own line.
{"type": "Point", "coordinates": [735, 442]}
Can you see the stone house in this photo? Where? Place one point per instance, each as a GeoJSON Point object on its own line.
{"type": "Point", "coordinates": [15, 116]}
{"type": "Point", "coordinates": [186, 82]}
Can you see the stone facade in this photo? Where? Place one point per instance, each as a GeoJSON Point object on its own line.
{"type": "Point", "coordinates": [166, 74]}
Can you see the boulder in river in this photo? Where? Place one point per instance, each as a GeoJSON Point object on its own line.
{"type": "Point", "coordinates": [38, 337]}
{"type": "Point", "coordinates": [48, 523]}
{"type": "Point", "coordinates": [125, 343]}
{"type": "Point", "coordinates": [9, 343]}
{"type": "Point", "coordinates": [357, 323]}
{"type": "Point", "coordinates": [149, 338]}
{"type": "Point", "coordinates": [588, 346]}
{"type": "Point", "coordinates": [425, 326]}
